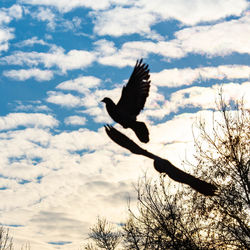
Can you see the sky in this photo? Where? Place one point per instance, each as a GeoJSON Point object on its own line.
{"type": "Point", "coordinates": [59, 59]}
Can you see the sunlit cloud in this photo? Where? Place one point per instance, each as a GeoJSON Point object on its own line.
{"type": "Point", "coordinates": [201, 39]}
{"type": "Point", "coordinates": [187, 76]}
{"type": "Point", "coordinates": [205, 97]}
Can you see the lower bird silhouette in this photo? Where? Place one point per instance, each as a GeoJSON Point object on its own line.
{"type": "Point", "coordinates": [161, 165]}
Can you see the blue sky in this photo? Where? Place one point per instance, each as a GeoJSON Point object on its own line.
{"type": "Point", "coordinates": [58, 59]}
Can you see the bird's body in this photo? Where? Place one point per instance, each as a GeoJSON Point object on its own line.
{"type": "Point", "coordinates": [132, 101]}
{"type": "Point", "coordinates": [118, 115]}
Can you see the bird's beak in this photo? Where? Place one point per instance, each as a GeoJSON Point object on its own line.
{"type": "Point", "coordinates": [102, 100]}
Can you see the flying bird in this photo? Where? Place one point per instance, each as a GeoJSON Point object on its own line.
{"type": "Point", "coordinates": [132, 101]}
{"type": "Point", "coordinates": [161, 165]}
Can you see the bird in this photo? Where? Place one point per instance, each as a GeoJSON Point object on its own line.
{"type": "Point", "coordinates": [161, 165]}
{"type": "Point", "coordinates": [132, 101]}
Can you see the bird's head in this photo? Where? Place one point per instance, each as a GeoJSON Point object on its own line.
{"type": "Point", "coordinates": [106, 100]}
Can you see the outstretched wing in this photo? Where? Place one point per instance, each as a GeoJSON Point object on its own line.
{"type": "Point", "coordinates": [161, 165]}
{"type": "Point", "coordinates": [122, 140]}
{"type": "Point", "coordinates": [164, 166]}
{"type": "Point", "coordinates": [135, 93]}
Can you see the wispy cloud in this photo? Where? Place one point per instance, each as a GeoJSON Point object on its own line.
{"type": "Point", "coordinates": [141, 15]}
{"type": "Point", "coordinates": [32, 41]}
{"type": "Point", "coordinates": [14, 120]}
{"type": "Point", "coordinates": [55, 20]}
{"type": "Point", "coordinates": [65, 6]}
{"type": "Point", "coordinates": [8, 14]}
{"type": "Point", "coordinates": [56, 57]}
{"type": "Point", "coordinates": [187, 76]}
{"type": "Point", "coordinates": [107, 53]}
{"type": "Point", "coordinates": [7, 33]}
{"type": "Point", "coordinates": [201, 39]}
{"type": "Point", "coordinates": [75, 120]}
{"type": "Point", "coordinates": [205, 97]}
{"type": "Point", "coordinates": [123, 21]}
{"type": "Point", "coordinates": [81, 84]}
{"type": "Point", "coordinates": [196, 40]}
{"type": "Point", "coordinates": [24, 74]}
{"type": "Point", "coordinates": [67, 100]}
{"type": "Point", "coordinates": [194, 11]}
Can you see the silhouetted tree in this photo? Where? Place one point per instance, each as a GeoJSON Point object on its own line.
{"type": "Point", "coordinates": [104, 235]}
{"type": "Point", "coordinates": [5, 240]}
{"type": "Point", "coordinates": [223, 156]}
{"type": "Point", "coordinates": [162, 220]}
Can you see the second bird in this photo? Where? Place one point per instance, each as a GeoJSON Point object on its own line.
{"type": "Point", "coordinates": [132, 101]}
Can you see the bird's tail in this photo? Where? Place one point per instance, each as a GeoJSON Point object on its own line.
{"type": "Point", "coordinates": [141, 131]}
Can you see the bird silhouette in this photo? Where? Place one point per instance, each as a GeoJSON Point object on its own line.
{"type": "Point", "coordinates": [132, 101]}
{"type": "Point", "coordinates": [161, 165]}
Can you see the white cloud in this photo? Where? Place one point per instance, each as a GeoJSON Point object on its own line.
{"type": "Point", "coordinates": [128, 17]}
{"type": "Point", "coordinates": [65, 6]}
{"type": "Point", "coordinates": [141, 15]}
{"type": "Point", "coordinates": [99, 114]}
{"type": "Point", "coordinates": [123, 21]}
{"type": "Point", "coordinates": [13, 120]}
{"type": "Point", "coordinates": [24, 74]}
{"type": "Point", "coordinates": [129, 52]}
{"type": "Point", "coordinates": [15, 11]}
{"type": "Point", "coordinates": [108, 54]}
{"type": "Point", "coordinates": [179, 77]}
{"type": "Point", "coordinates": [62, 99]}
{"type": "Point", "coordinates": [194, 11]}
{"type": "Point", "coordinates": [28, 107]}
{"type": "Point", "coordinates": [75, 120]}
{"type": "Point", "coordinates": [74, 59]}
{"type": "Point", "coordinates": [31, 42]}
{"type": "Point", "coordinates": [5, 35]}
{"type": "Point", "coordinates": [205, 97]}
{"type": "Point", "coordinates": [80, 84]}
{"type": "Point", "coordinates": [197, 40]}
{"type": "Point", "coordinates": [218, 39]}
{"type": "Point", "coordinates": [55, 20]}
{"type": "Point", "coordinates": [45, 15]}
{"type": "Point", "coordinates": [6, 16]}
